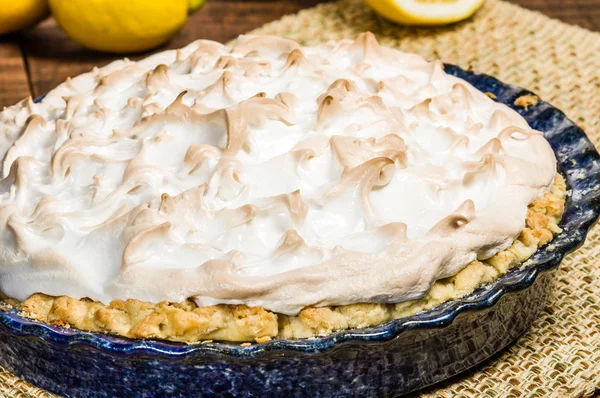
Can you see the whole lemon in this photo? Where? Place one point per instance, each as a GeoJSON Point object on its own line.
{"type": "Point", "coordinates": [20, 14]}
{"type": "Point", "coordinates": [120, 25]}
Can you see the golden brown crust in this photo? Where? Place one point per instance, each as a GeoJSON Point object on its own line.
{"type": "Point", "coordinates": [525, 101]}
{"type": "Point", "coordinates": [188, 323]}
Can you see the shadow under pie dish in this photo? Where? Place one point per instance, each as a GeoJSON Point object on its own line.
{"type": "Point", "coordinates": [394, 357]}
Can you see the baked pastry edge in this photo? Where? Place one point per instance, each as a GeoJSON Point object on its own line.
{"type": "Point", "coordinates": [185, 322]}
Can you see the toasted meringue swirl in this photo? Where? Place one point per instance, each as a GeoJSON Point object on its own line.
{"type": "Point", "coordinates": [265, 173]}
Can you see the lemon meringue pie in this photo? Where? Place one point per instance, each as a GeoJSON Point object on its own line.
{"type": "Point", "coordinates": [265, 189]}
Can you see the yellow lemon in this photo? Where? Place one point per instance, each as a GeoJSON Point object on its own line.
{"type": "Point", "coordinates": [120, 25]}
{"type": "Point", "coordinates": [425, 12]}
{"type": "Point", "coordinates": [20, 14]}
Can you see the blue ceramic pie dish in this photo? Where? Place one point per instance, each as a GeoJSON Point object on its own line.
{"type": "Point", "coordinates": [391, 359]}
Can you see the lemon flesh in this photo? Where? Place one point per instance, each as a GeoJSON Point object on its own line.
{"type": "Point", "coordinates": [425, 12]}
{"type": "Point", "coordinates": [120, 26]}
{"type": "Point", "coordinates": [20, 14]}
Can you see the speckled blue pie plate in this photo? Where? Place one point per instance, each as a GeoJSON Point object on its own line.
{"type": "Point", "coordinates": [387, 360]}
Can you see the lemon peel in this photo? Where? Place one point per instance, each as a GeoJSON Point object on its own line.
{"type": "Point", "coordinates": [425, 12]}
{"type": "Point", "coordinates": [120, 26]}
{"type": "Point", "coordinates": [16, 15]}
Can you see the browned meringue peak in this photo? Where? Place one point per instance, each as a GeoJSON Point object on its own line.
{"type": "Point", "coordinates": [437, 76]}
{"type": "Point", "coordinates": [227, 61]}
{"type": "Point", "coordinates": [461, 96]}
{"type": "Point", "coordinates": [492, 147]}
{"type": "Point", "coordinates": [178, 107]}
{"type": "Point", "coordinates": [252, 112]}
{"type": "Point", "coordinates": [149, 107]}
{"type": "Point", "coordinates": [426, 91]}
{"type": "Point", "coordinates": [459, 144]}
{"type": "Point", "coordinates": [397, 88]}
{"type": "Point", "coordinates": [517, 133]}
{"type": "Point", "coordinates": [424, 110]}
{"type": "Point", "coordinates": [500, 120]}
{"type": "Point", "coordinates": [296, 207]}
{"type": "Point", "coordinates": [473, 128]}
{"type": "Point", "coordinates": [258, 109]}
{"type": "Point", "coordinates": [352, 152]}
{"type": "Point", "coordinates": [396, 231]}
{"type": "Point", "coordinates": [449, 140]}
{"type": "Point", "coordinates": [364, 176]}
{"type": "Point", "coordinates": [75, 103]}
{"type": "Point", "coordinates": [221, 87]}
{"type": "Point", "coordinates": [12, 118]}
{"type": "Point", "coordinates": [190, 206]}
{"type": "Point", "coordinates": [263, 45]}
{"type": "Point", "coordinates": [480, 172]}
{"type": "Point", "coordinates": [22, 171]}
{"type": "Point", "coordinates": [197, 155]}
{"type": "Point", "coordinates": [64, 130]}
{"type": "Point", "coordinates": [158, 79]}
{"type": "Point", "coordinates": [33, 134]}
{"type": "Point", "coordinates": [367, 44]}
{"type": "Point", "coordinates": [365, 52]}
{"type": "Point", "coordinates": [342, 98]}
{"type": "Point", "coordinates": [251, 67]}
{"type": "Point", "coordinates": [292, 244]}
{"type": "Point", "coordinates": [266, 173]}
{"type": "Point", "coordinates": [462, 216]}
{"type": "Point", "coordinates": [341, 86]}
{"type": "Point", "coordinates": [202, 50]}
{"type": "Point", "coordinates": [179, 113]}
{"type": "Point", "coordinates": [69, 82]}
{"type": "Point", "coordinates": [362, 179]}
{"type": "Point", "coordinates": [295, 60]}
{"type": "Point", "coordinates": [118, 80]}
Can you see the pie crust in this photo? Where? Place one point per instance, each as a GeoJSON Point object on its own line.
{"type": "Point", "coordinates": [185, 322]}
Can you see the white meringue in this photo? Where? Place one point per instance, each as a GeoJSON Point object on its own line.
{"type": "Point", "coordinates": [265, 173]}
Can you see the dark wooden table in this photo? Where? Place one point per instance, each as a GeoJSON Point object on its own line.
{"type": "Point", "coordinates": [35, 61]}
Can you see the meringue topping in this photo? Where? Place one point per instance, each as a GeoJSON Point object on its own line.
{"type": "Point", "coordinates": [263, 173]}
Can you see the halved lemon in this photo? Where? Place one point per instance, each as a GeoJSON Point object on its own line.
{"type": "Point", "coordinates": [425, 12]}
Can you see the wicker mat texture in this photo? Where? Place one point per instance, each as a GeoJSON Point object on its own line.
{"type": "Point", "coordinates": [560, 355]}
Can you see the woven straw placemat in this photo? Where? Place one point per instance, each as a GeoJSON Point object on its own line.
{"type": "Point", "coordinates": [560, 355]}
